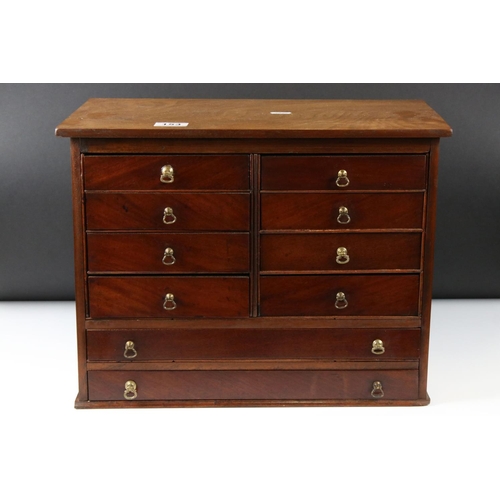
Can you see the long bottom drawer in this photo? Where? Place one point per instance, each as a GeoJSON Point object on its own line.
{"type": "Point", "coordinates": [253, 384]}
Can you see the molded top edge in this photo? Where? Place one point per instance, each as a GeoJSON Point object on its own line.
{"type": "Point", "coordinates": [253, 118]}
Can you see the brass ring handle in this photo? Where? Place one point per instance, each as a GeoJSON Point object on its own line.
{"type": "Point", "coordinates": [342, 256]}
{"type": "Point", "coordinates": [168, 254]}
{"type": "Point", "coordinates": [378, 347]}
{"type": "Point", "coordinates": [130, 391]}
{"type": "Point", "coordinates": [342, 179]}
{"type": "Point", "coordinates": [167, 174]}
{"type": "Point", "coordinates": [130, 351]}
{"type": "Point", "coordinates": [169, 297]}
{"type": "Point", "coordinates": [341, 301]}
{"type": "Point", "coordinates": [169, 212]}
{"type": "Point", "coordinates": [343, 217]}
{"type": "Point", "coordinates": [377, 391]}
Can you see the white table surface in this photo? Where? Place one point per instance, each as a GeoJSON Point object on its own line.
{"type": "Point", "coordinates": [448, 449]}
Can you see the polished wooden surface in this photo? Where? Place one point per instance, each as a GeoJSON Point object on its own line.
{"type": "Point", "coordinates": [371, 295]}
{"type": "Point", "coordinates": [253, 384]}
{"type": "Point", "coordinates": [308, 252]}
{"type": "Point", "coordinates": [379, 172]}
{"type": "Point", "coordinates": [138, 297]}
{"type": "Point", "coordinates": [255, 238]}
{"type": "Point", "coordinates": [193, 212]}
{"type": "Point", "coordinates": [264, 145]}
{"type": "Point", "coordinates": [212, 118]}
{"type": "Point", "coordinates": [190, 172]}
{"type": "Point", "coordinates": [144, 253]}
{"type": "Point", "coordinates": [259, 322]}
{"type": "Point", "coordinates": [251, 343]}
{"type": "Point", "coordinates": [321, 211]}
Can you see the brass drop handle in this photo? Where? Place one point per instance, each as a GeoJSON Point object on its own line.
{"type": "Point", "coordinates": [343, 217]}
{"type": "Point", "coordinates": [342, 255]}
{"type": "Point", "coordinates": [167, 174]}
{"type": "Point", "coordinates": [169, 298]}
{"type": "Point", "coordinates": [341, 301]}
{"type": "Point", "coordinates": [130, 391]}
{"type": "Point", "coordinates": [168, 257]}
{"type": "Point", "coordinates": [342, 179]}
{"type": "Point", "coordinates": [130, 351]}
{"type": "Point", "coordinates": [168, 213]}
{"type": "Point", "coordinates": [378, 347]}
{"type": "Point", "coordinates": [377, 390]}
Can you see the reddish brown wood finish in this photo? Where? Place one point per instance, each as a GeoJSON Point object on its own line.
{"type": "Point", "coordinates": [193, 212]}
{"type": "Point", "coordinates": [255, 240]}
{"type": "Point", "coordinates": [428, 265]}
{"type": "Point", "coordinates": [80, 274]}
{"type": "Point", "coordinates": [252, 118]}
{"type": "Point", "coordinates": [370, 295]}
{"type": "Point", "coordinates": [299, 344]}
{"type": "Point", "coordinates": [318, 252]}
{"type": "Point", "coordinates": [248, 403]}
{"type": "Point", "coordinates": [256, 146]}
{"type": "Point", "coordinates": [270, 384]}
{"type": "Point", "coordinates": [138, 297]}
{"type": "Point", "coordinates": [260, 322]}
{"type": "Point", "coordinates": [255, 237]}
{"type": "Point", "coordinates": [252, 364]}
{"type": "Point", "coordinates": [321, 211]}
{"type": "Point", "coordinates": [144, 253]}
{"type": "Point", "coordinates": [191, 172]}
{"type": "Point", "coordinates": [379, 172]}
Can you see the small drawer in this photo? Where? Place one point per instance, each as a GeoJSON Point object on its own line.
{"type": "Point", "coordinates": [256, 344]}
{"type": "Point", "coordinates": [253, 385]}
{"type": "Point", "coordinates": [168, 212]}
{"type": "Point", "coordinates": [167, 173]}
{"type": "Point", "coordinates": [343, 211]}
{"type": "Point", "coordinates": [172, 297]}
{"type": "Point", "coordinates": [363, 295]}
{"type": "Point", "coordinates": [168, 253]}
{"type": "Point", "coordinates": [379, 172]}
{"type": "Point", "coordinates": [340, 251]}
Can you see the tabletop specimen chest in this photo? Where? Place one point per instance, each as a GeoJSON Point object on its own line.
{"type": "Point", "coordinates": [253, 253]}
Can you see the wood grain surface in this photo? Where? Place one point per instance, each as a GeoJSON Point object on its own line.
{"type": "Point", "coordinates": [190, 172]}
{"type": "Point", "coordinates": [138, 297]}
{"type": "Point", "coordinates": [319, 252]}
{"type": "Point", "coordinates": [252, 118]}
{"type": "Point", "coordinates": [254, 384]}
{"type": "Point", "coordinates": [371, 295]}
{"type": "Point", "coordinates": [253, 225]}
{"type": "Point", "coordinates": [144, 253]}
{"type": "Point", "coordinates": [379, 172]}
{"type": "Point", "coordinates": [252, 343]}
{"type": "Point", "coordinates": [320, 211]}
{"type": "Point", "coordinates": [193, 212]}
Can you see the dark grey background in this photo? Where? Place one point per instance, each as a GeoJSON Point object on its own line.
{"type": "Point", "coordinates": [36, 253]}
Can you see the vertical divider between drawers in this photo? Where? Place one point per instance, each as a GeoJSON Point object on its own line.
{"type": "Point", "coordinates": [255, 234]}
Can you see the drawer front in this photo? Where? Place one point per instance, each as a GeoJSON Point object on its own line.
{"type": "Point", "coordinates": [253, 384]}
{"type": "Point", "coordinates": [361, 172]}
{"type": "Point", "coordinates": [342, 211]}
{"type": "Point", "coordinates": [168, 212]}
{"type": "Point", "coordinates": [171, 297]}
{"type": "Point", "coordinates": [340, 251]}
{"type": "Point", "coordinates": [168, 253]}
{"type": "Point", "coordinates": [367, 295]}
{"type": "Point", "coordinates": [188, 172]}
{"type": "Point", "coordinates": [227, 344]}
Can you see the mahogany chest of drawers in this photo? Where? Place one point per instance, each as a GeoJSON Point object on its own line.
{"type": "Point", "coordinates": [253, 252]}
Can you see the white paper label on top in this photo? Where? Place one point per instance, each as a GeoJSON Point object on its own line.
{"type": "Point", "coordinates": [281, 112]}
{"type": "Point", "coordinates": [171, 124]}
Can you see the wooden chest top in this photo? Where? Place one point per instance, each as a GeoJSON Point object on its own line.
{"type": "Point", "coordinates": [253, 118]}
